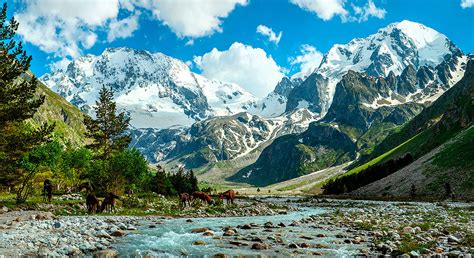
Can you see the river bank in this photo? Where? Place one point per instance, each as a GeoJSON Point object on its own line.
{"type": "Point", "coordinates": [309, 227]}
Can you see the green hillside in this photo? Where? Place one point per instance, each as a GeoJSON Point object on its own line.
{"type": "Point", "coordinates": [445, 121]}
{"type": "Point", "coordinates": [69, 120]}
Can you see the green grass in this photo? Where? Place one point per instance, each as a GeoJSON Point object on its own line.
{"type": "Point", "coordinates": [293, 186]}
{"type": "Point", "coordinates": [381, 158]}
{"type": "Point", "coordinates": [459, 153]}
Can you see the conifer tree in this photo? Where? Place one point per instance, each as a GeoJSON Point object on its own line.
{"type": "Point", "coordinates": [18, 101]}
{"type": "Point", "coordinates": [108, 132]}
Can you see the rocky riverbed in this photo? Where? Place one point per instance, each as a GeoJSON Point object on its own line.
{"type": "Point", "coordinates": [317, 227]}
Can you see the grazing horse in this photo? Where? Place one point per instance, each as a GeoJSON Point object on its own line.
{"type": "Point", "coordinates": [47, 190]}
{"type": "Point", "coordinates": [109, 202]}
{"type": "Point", "coordinates": [186, 199]}
{"type": "Point", "coordinates": [87, 185]}
{"type": "Point", "coordinates": [204, 197]}
{"type": "Point", "coordinates": [92, 203]}
{"type": "Point", "coordinates": [228, 195]}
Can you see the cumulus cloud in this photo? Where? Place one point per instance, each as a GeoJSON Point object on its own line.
{"type": "Point", "coordinates": [191, 18]}
{"type": "Point", "coordinates": [308, 60]}
{"type": "Point", "coordinates": [269, 33]}
{"type": "Point", "coordinates": [60, 65]}
{"type": "Point", "coordinates": [327, 9]}
{"type": "Point", "coordinates": [368, 10]}
{"type": "Point", "coordinates": [64, 27]}
{"type": "Point", "coordinates": [467, 3]}
{"type": "Point", "coordinates": [123, 28]}
{"type": "Point", "coordinates": [324, 9]}
{"type": "Point", "coordinates": [244, 65]}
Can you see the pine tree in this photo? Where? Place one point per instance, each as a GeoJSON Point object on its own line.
{"type": "Point", "coordinates": [18, 102]}
{"type": "Point", "coordinates": [193, 182]}
{"type": "Point", "coordinates": [108, 132]}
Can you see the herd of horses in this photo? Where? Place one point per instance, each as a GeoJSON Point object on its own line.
{"type": "Point", "coordinates": [94, 205]}
{"type": "Point", "coordinates": [187, 199]}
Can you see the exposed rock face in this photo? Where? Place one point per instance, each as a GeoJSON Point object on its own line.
{"type": "Point", "coordinates": [365, 109]}
{"type": "Point", "coordinates": [391, 50]}
{"type": "Point", "coordinates": [307, 94]}
{"type": "Point", "coordinates": [294, 155]}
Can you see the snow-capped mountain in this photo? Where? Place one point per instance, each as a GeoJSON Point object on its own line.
{"type": "Point", "coordinates": [181, 115]}
{"type": "Point", "coordinates": [157, 91]}
{"type": "Point", "coordinates": [275, 103]}
{"type": "Point", "coordinates": [390, 50]}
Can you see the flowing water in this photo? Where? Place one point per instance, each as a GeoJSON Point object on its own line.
{"type": "Point", "coordinates": [174, 237]}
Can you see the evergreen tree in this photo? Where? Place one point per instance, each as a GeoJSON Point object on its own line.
{"type": "Point", "coordinates": [108, 132]}
{"type": "Point", "coordinates": [161, 183]}
{"type": "Point", "coordinates": [18, 102]}
{"type": "Point", "coordinates": [193, 182]}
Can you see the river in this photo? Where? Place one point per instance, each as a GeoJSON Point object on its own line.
{"type": "Point", "coordinates": [173, 238]}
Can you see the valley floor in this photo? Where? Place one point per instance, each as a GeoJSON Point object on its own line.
{"type": "Point", "coordinates": [267, 226]}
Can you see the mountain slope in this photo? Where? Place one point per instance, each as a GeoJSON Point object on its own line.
{"type": "Point", "coordinates": [156, 90]}
{"type": "Point", "coordinates": [290, 156]}
{"type": "Point", "coordinates": [69, 127]}
{"type": "Point", "coordinates": [378, 84]}
{"type": "Point", "coordinates": [449, 163]}
{"type": "Point", "coordinates": [446, 123]}
{"type": "Point", "coordinates": [391, 50]}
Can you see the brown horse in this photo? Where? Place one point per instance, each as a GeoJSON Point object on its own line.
{"type": "Point", "coordinates": [87, 185]}
{"type": "Point", "coordinates": [204, 197]}
{"type": "Point", "coordinates": [92, 203]}
{"type": "Point", "coordinates": [228, 195]}
{"type": "Point", "coordinates": [186, 199]}
{"type": "Point", "coordinates": [47, 190]}
{"type": "Point", "coordinates": [109, 202]}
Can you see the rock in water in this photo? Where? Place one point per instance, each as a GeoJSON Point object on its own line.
{"type": "Point", "coordinates": [200, 230]}
{"type": "Point", "coordinates": [259, 246]}
{"type": "Point", "coordinates": [119, 233]}
{"type": "Point", "coordinates": [107, 253]}
{"type": "Point", "coordinates": [199, 242]}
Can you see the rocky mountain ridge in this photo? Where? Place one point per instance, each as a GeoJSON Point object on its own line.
{"type": "Point", "coordinates": [367, 85]}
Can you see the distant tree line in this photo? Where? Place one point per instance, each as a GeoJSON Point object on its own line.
{"type": "Point", "coordinates": [371, 174]}
{"type": "Point", "coordinates": [174, 183]}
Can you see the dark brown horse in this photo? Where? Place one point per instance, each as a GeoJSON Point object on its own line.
{"type": "Point", "coordinates": [87, 185]}
{"type": "Point", "coordinates": [109, 202]}
{"type": "Point", "coordinates": [228, 195]}
{"type": "Point", "coordinates": [204, 197]}
{"type": "Point", "coordinates": [47, 190]}
{"type": "Point", "coordinates": [92, 203]}
{"type": "Point", "coordinates": [186, 199]}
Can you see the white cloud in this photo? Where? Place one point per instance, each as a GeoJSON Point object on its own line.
{"type": "Point", "coordinates": [244, 65]}
{"type": "Point", "coordinates": [327, 9]}
{"type": "Point", "coordinates": [64, 27]}
{"type": "Point", "coordinates": [60, 65]}
{"type": "Point", "coordinates": [324, 9]}
{"type": "Point", "coordinates": [191, 18]}
{"type": "Point", "coordinates": [368, 10]}
{"type": "Point", "coordinates": [309, 60]}
{"type": "Point", "coordinates": [123, 28]}
{"type": "Point", "coordinates": [269, 33]}
{"type": "Point", "coordinates": [467, 3]}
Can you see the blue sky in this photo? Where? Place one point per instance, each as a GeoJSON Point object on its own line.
{"type": "Point", "coordinates": [60, 30]}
